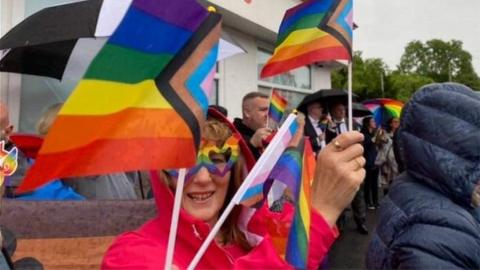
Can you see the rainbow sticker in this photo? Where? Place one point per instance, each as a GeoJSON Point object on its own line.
{"type": "Point", "coordinates": [8, 161]}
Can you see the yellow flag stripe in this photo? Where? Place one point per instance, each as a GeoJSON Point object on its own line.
{"type": "Point", "coordinates": [96, 97]}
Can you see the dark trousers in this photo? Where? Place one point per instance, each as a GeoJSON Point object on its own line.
{"type": "Point", "coordinates": [358, 209]}
{"type": "Point", "coordinates": [371, 187]}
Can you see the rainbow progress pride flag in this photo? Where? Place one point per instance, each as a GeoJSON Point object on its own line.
{"type": "Point", "coordinates": [278, 104]}
{"type": "Point", "coordinates": [313, 31]}
{"type": "Point", "coordinates": [143, 99]}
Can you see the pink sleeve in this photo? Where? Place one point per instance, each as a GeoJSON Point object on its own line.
{"type": "Point", "coordinates": [131, 251]}
{"type": "Point", "coordinates": [322, 236]}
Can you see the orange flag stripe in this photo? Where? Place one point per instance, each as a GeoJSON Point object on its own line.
{"type": "Point", "coordinates": [150, 152]}
{"type": "Point", "coordinates": [296, 50]}
{"type": "Point", "coordinates": [136, 123]}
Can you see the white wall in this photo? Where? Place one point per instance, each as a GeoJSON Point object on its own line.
{"type": "Point", "coordinates": [238, 75]}
{"type": "Point", "coordinates": [267, 13]}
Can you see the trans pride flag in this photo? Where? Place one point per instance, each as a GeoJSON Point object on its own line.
{"type": "Point", "coordinates": [142, 100]}
{"type": "Point", "coordinates": [278, 104]}
{"type": "Point", "coordinates": [313, 31]}
{"type": "Point", "coordinates": [255, 190]}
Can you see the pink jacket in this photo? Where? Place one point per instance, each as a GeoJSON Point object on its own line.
{"type": "Point", "coordinates": [146, 247]}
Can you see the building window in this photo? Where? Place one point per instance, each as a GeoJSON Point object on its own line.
{"type": "Point", "coordinates": [293, 85]}
{"type": "Point", "coordinates": [300, 78]}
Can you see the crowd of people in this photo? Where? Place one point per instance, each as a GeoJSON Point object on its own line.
{"type": "Point", "coordinates": [426, 165]}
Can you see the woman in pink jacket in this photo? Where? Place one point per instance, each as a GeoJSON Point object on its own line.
{"type": "Point", "coordinates": [210, 186]}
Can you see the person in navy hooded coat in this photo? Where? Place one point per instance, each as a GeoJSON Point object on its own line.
{"type": "Point", "coordinates": [430, 219]}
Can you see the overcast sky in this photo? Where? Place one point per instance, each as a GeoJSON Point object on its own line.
{"type": "Point", "coordinates": [386, 26]}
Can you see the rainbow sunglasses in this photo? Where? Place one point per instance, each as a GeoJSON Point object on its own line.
{"type": "Point", "coordinates": [230, 148]}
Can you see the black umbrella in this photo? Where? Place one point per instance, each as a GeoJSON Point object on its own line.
{"type": "Point", "coordinates": [56, 42]}
{"type": "Point", "coordinates": [359, 110]}
{"type": "Point", "coordinates": [43, 42]}
{"type": "Point", "coordinates": [326, 97]}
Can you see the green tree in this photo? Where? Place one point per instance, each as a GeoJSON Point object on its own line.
{"type": "Point", "coordinates": [367, 77]}
{"type": "Point", "coordinates": [439, 60]}
{"type": "Point", "coordinates": [402, 86]}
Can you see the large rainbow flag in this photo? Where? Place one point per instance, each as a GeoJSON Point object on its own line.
{"type": "Point", "coordinates": [277, 107]}
{"type": "Point", "coordinates": [142, 100]}
{"type": "Point", "coordinates": [313, 31]}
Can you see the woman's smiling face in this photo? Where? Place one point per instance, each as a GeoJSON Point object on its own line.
{"type": "Point", "coordinates": [204, 193]}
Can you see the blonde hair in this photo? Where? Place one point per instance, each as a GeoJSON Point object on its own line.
{"type": "Point", "coordinates": [47, 118]}
{"type": "Point", "coordinates": [216, 131]}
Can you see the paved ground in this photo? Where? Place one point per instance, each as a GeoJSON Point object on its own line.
{"type": "Point", "coordinates": [349, 250]}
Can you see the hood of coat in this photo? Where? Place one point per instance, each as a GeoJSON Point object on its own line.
{"type": "Point", "coordinates": [439, 140]}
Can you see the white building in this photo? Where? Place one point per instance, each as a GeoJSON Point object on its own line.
{"type": "Point", "coordinates": [253, 25]}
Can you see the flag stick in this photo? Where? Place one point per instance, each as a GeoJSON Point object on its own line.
{"type": "Point", "coordinates": [269, 156]}
{"type": "Point", "coordinates": [175, 214]}
{"type": "Point", "coordinates": [350, 114]}
{"type": "Point", "coordinates": [268, 113]}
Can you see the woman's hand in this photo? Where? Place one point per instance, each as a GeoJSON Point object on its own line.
{"type": "Point", "coordinates": [338, 175]}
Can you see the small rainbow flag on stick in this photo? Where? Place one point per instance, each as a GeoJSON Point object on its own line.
{"type": "Point", "coordinates": [313, 31]}
{"type": "Point", "coordinates": [292, 177]}
{"type": "Point", "coordinates": [278, 104]}
{"type": "Point", "coordinates": [143, 99]}
{"type": "Point", "coordinates": [298, 238]}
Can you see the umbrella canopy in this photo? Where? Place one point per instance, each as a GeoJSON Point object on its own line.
{"type": "Point", "coordinates": [56, 42]}
{"type": "Point", "coordinates": [326, 97]}
{"type": "Point", "coordinates": [359, 110]}
{"type": "Point", "coordinates": [384, 109]}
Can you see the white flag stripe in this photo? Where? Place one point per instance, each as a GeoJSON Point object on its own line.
{"type": "Point", "coordinates": [110, 16]}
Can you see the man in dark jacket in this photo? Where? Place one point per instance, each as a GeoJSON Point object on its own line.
{"type": "Point", "coordinates": [314, 128]}
{"type": "Point", "coordinates": [430, 217]}
{"type": "Point", "coordinates": [337, 126]}
{"type": "Point", "coordinates": [253, 125]}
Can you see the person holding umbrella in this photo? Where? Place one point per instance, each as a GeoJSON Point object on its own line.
{"type": "Point", "coordinates": [315, 125]}
{"type": "Point", "coordinates": [315, 107]}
